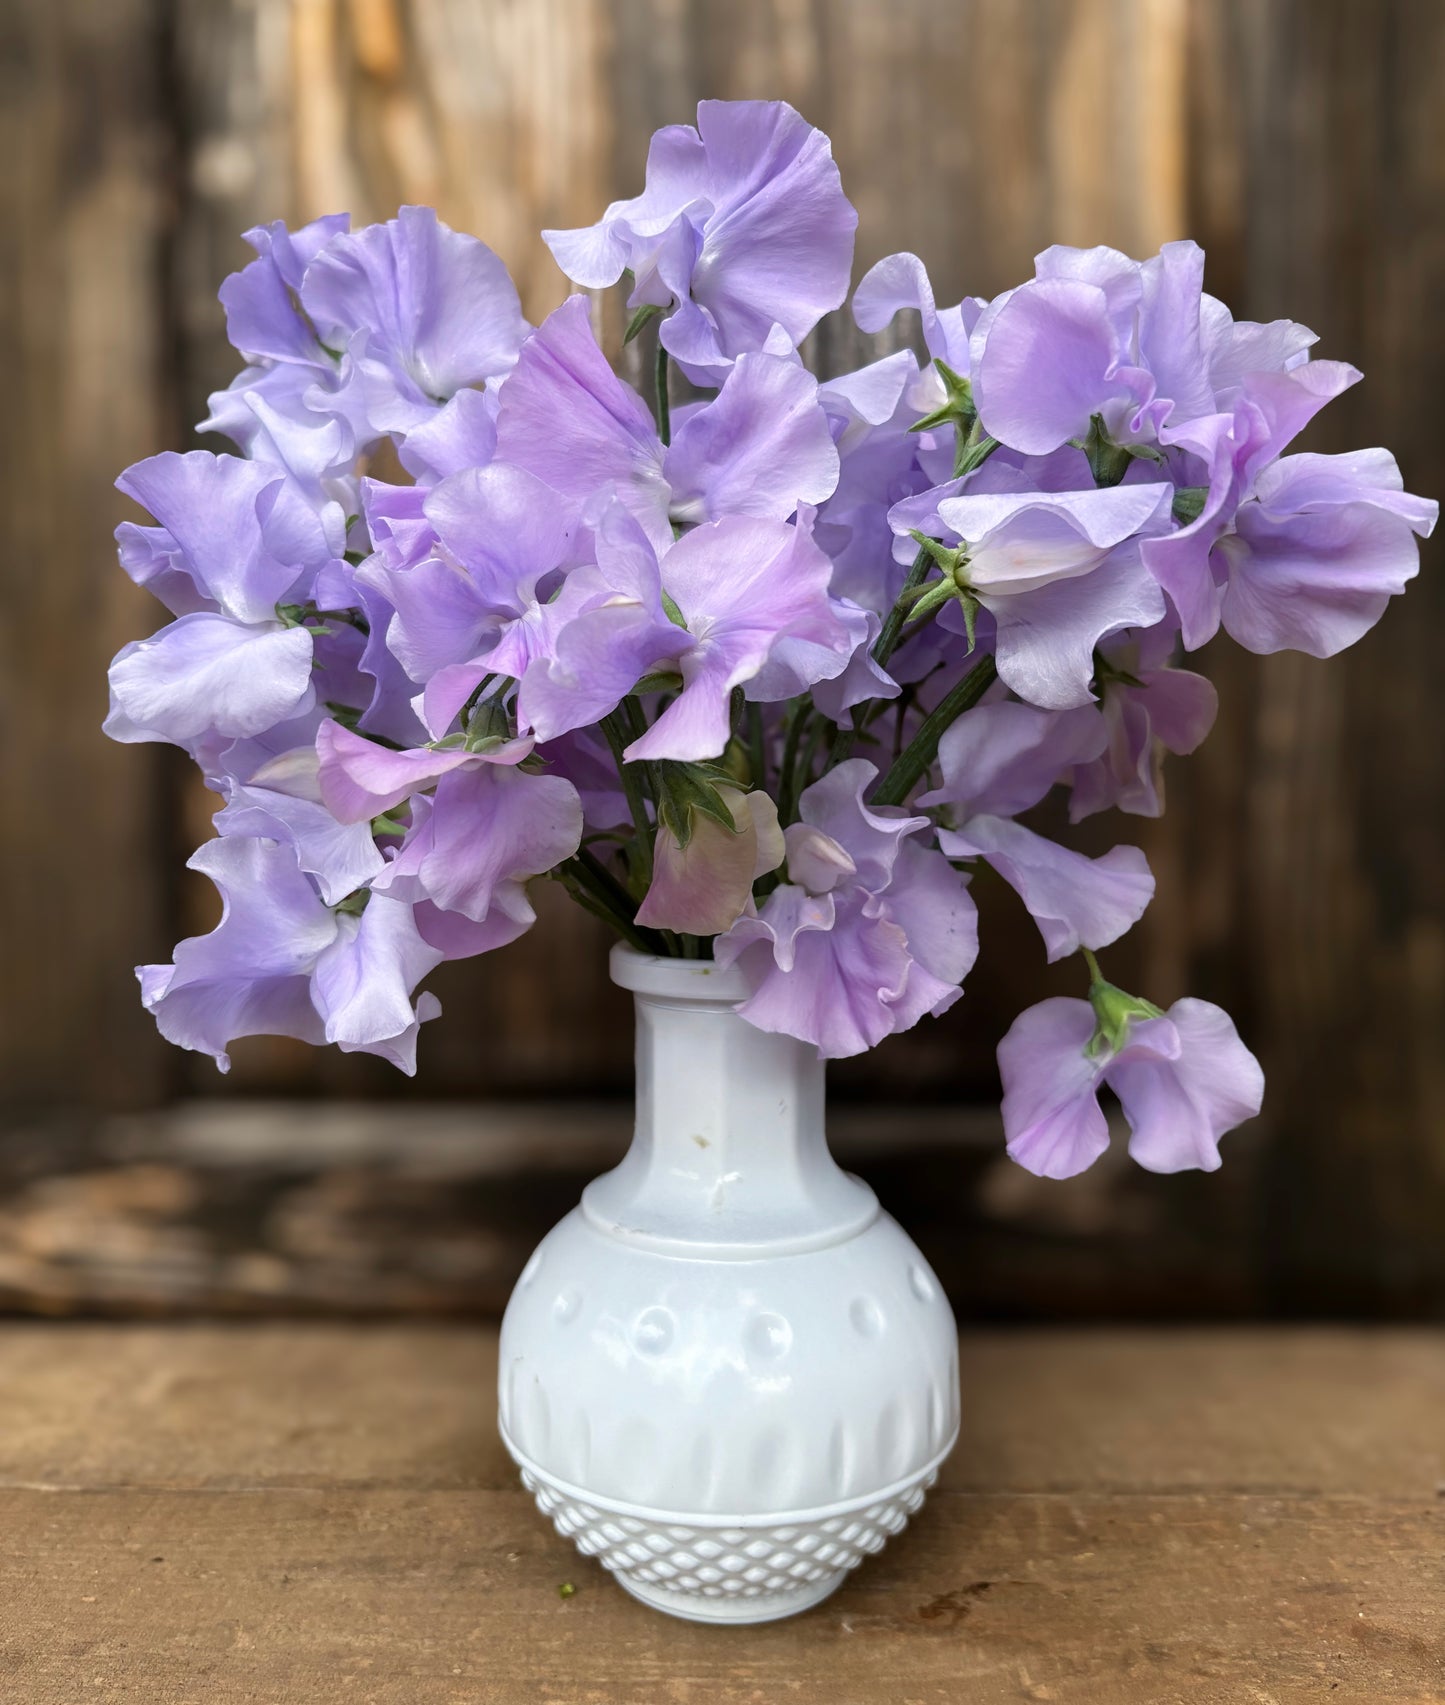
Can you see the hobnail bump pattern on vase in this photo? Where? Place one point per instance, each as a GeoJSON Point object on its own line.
{"type": "Point", "coordinates": [709, 1572]}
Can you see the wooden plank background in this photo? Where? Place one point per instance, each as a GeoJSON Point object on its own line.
{"type": "Point", "coordinates": [1302, 864]}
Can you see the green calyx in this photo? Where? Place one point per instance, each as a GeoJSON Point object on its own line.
{"type": "Point", "coordinates": [1108, 461]}
{"type": "Point", "coordinates": [647, 312]}
{"type": "Point", "coordinates": [957, 407]}
{"type": "Point", "coordinates": [1189, 503]}
{"type": "Point", "coordinates": [354, 904]}
{"type": "Point", "coordinates": [927, 599]}
{"type": "Point", "coordinates": [686, 792]}
{"type": "Point", "coordinates": [1115, 1010]}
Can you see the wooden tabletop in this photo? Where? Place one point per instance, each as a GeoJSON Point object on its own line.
{"type": "Point", "coordinates": [309, 1513]}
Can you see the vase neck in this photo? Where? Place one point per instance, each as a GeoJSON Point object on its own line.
{"type": "Point", "coordinates": [729, 1156]}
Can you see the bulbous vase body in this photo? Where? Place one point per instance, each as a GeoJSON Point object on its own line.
{"type": "Point", "coordinates": [727, 1374]}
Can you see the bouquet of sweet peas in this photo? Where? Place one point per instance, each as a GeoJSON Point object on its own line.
{"type": "Point", "coordinates": [761, 668]}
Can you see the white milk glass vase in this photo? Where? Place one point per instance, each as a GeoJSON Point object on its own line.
{"type": "Point", "coordinates": [727, 1374]}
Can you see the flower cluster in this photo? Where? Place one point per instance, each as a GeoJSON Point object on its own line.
{"type": "Point", "coordinates": [766, 666]}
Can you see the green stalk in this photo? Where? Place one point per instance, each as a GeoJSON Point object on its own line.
{"type": "Point", "coordinates": [631, 779]}
{"type": "Point", "coordinates": [923, 747]}
{"type": "Point", "coordinates": [757, 758]}
{"type": "Point", "coordinates": [664, 407]}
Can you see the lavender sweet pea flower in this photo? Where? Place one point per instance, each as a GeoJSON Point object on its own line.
{"type": "Point", "coordinates": [761, 447]}
{"type": "Point", "coordinates": [1220, 457]}
{"type": "Point", "coordinates": [901, 281]}
{"type": "Point", "coordinates": [1057, 570]}
{"type": "Point", "coordinates": [605, 629]}
{"type": "Point", "coordinates": [260, 300]}
{"type": "Point", "coordinates": [870, 931]}
{"type": "Point", "coordinates": [475, 843]}
{"type": "Point", "coordinates": [1184, 1079]}
{"type": "Point", "coordinates": [754, 598]}
{"type": "Point", "coordinates": [466, 594]}
{"type": "Point", "coordinates": [743, 225]}
{"type": "Point", "coordinates": [282, 800]}
{"type": "Point", "coordinates": [423, 311]}
{"type": "Point", "coordinates": [244, 538]}
{"type": "Point", "coordinates": [283, 963]}
{"type": "Point", "coordinates": [997, 761]}
{"type": "Point", "coordinates": [1318, 551]}
{"type": "Point", "coordinates": [1148, 708]}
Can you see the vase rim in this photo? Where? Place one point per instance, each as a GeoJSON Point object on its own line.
{"type": "Point", "coordinates": [677, 979]}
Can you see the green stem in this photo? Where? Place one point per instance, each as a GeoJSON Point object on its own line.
{"type": "Point", "coordinates": [887, 642]}
{"type": "Point", "coordinates": [788, 769]}
{"type": "Point", "coordinates": [608, 893]}
{"type": "Point", "coordinates": [631, 779]}
{"type": "Point", "coordinates": [1095, 974]}
{"type": "Point", "coordinates": [923, 747]}
{"type": "Point", "coordinates": [664, 407]}
{"type": "Point", "coordinates": [628, 932]}
{"type": "Point", "coordinates": [757, 757]}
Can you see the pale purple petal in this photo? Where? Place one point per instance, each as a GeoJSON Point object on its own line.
{"type": "Point", "coordinates": [361, 780]}
{"type": "Point", "coordinates": [566, 417]}
{"type": "Point", "coordinates": [1046, 638]}
{"type": "Point", "coordinates": [761, 447]}
{"type": "Point", "coordinates": [1051, 1114]}
{"type": "Point", "coordinates": [488, 828]}
{"type": "Point", "coordinates": [204, 673]}
{"type": "Point", "coordinates": [1178, 1109]}
{"type": "Point", "coordinates": [1076, 901]}
{"type": "Point", "coordinates": [1001, 758]}
{"type": "Point", "coordinates": [1046, 360]}
{"type": "Point", "coordinates": [437, 306]}
{"type": "Point", "coordinates": [363, 982]}
{"type": "Point", "coordinates": [261, 316]}
{"type": "Point", "coordinates": [208, 505]}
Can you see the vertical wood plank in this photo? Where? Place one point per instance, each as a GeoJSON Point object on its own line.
{"type": "Point", "coordinates": [1318, 173]}
{"type": "Point", "coordinates": [84, 212]}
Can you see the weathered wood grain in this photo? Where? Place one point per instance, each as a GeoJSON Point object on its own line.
{"type": "Point", "coordinates": [83, 207]}
{"type": "Point", "coordinates": [1322, 1413]}
{"type": "Point", "coordinates": [288, 1515]}
{"type": "Point", "coordinates": [247, 1207]}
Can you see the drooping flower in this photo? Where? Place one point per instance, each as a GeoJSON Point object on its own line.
{"type": "Point", "coordinates": [870, 931]}
{"type": "Point", "coordinates": [283, 963]}
{"type": "Point", "coordinates": [1184, 1078]}
{"type": "Point", "coordinates": [1147, 708]}
{"type": "Point", "coordinates": [742, 226]}
{"type": "Point", "coordinates": [999, 760]}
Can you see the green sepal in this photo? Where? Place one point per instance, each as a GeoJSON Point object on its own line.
{"type": "Point", "coordinates": [387, 825]}
{"type": "Point", "coordinates": [1189, 501]}
{"type": "Point", "coordinates": [354, 904]}
{"type": "Point", "coordinates": [1115, 1010]}
{"type": "Point", "coordinates": [688, 791]}
{"type": "Point", "coordinates": [1108, 461]}
{"type": "Point", "coordinates": [950, 558]}
{"type": "Point", "coordinates": [644, 315]}
{"type": "Point", "coordinates": [660, 681]}
{"type": "Point", "coordinates": [957, 407]}
{"type": "Point", "coordinates": [671, 611]}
